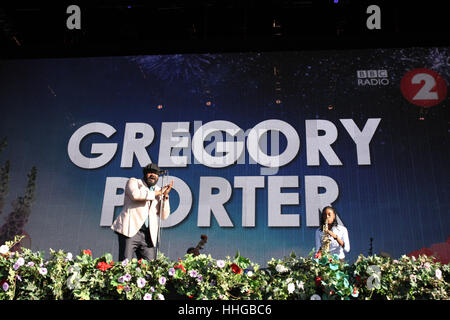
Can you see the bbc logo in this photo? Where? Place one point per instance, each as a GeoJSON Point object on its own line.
{"type": "Point", "coordinates": [363, 74]}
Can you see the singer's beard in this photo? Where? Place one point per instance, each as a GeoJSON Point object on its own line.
{"type": "Point", "coordinates": [150, 182]}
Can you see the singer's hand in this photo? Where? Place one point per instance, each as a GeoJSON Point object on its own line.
{"type": "Point", "coordinates": [168, 188]}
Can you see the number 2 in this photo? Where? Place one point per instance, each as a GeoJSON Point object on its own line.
{"type": "Point", "coordinates": [425, 92]}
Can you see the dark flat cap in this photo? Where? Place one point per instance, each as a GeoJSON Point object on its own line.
{"type": "Point", "coordinates": [152, 167]}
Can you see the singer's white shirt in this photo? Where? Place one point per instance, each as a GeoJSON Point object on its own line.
{"type": "Point", "coordinates": [335, 248]}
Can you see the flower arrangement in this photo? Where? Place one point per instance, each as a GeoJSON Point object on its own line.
{"type": "Point", "coordinates": [26, 275]}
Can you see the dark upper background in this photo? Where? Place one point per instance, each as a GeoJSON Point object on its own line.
{"type": "Point", "coordinates": [32, 29]}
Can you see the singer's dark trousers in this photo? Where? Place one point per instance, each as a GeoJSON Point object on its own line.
{"type": "Point", "coordinates": [141, 244]}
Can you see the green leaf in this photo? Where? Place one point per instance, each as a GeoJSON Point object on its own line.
{"type": "Point", "coordinates": [108, 257]}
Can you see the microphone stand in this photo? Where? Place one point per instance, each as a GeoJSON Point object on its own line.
{"type": "Point", "coordinates": [158, 240]}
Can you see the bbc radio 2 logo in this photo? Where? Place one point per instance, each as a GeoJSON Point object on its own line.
{"type": "Point", "coordinates": [372, 77]}
{"type": "Point", "coordinates": [423, 87]}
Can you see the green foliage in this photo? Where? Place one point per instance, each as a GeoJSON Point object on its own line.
{"type": "Point", "coordinates": [25, 275]}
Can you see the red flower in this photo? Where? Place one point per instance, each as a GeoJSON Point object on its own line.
{"type": "Point", "coordinates": [236, 268]}
{"type": "Point", "coordinates": [190, 297]}
{"type": "Point", "coordinates": [204, 237]}
{"type": "Point", "coordinates": [119, 287]}
{"type": "Point", "coordinates": [318, 255]}
{"type": "Point", "coordinates": [318, 281]}
{"type": "Point", "coordinates": [87, 252]}
{"type": "Point", "coordinates": [103, 266]}
{"type": "Point", "coordinates": [180, 266]}
{"type": "Point", "coordinates": [331, 292]}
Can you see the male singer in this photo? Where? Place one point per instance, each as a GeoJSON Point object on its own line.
{"type": "Point", "coordinates": [138, 222]}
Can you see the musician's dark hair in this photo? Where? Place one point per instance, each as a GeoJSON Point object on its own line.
{"type": "Point", "coordinates": [323, 217]}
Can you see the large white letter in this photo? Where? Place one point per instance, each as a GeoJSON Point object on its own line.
{"type": "Point", "coordinates": [228, 147]}
{"type": "Point", "coordinates": [255, 152]}
{"type": "Point", "coordinates": [168, 142]}
{"type": "Point", "coordinates": [185, 205]}
{"type": "Point", "coordinates": [373, 21]}
{"type": "Point", "coordinates": [277, 199]}
{"type": "Point", "coordinates": [362, 138]}
{"type": "Point", "coordinates": [315, 201]}
{"type": "Point", "coordinates": [111, 199]}
{"type": "Point", "coordinates": [73, 21]}
{"type": "Point", "coordinates": [209, 202]}
{"type": "Point", "coordinates": [248, 185]}
{"type": "Point", "coordinates": [316, 144]}
{"type": "Point", "coordinates": [106, 150]}
{"type": "Point", "coordinates": [136, 146]}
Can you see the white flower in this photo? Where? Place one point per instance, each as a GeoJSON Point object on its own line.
{"type": "Point", "coordinates": [20, 262]}
{"type": "Point", "coordinates": [427, 265]}
{"type": "Point", "coordinates": [4, 249]}
{"type": "Point", "coordinates": [193, 273]}
{"type": "Point", "coordinates": [413, 277]}
{"type": "Point", "coordinates": [162, 280]}
{"type": "Point", "coordinates": [315, 297]}
{"type": "Point", "coordinates": [289, 280]}
{"type": "Point", "coordinates": [141, 282]}
{"type": "Point", "coordinates": [413, 258]}
{"type": "Point", "coordinates": [250, 273]}
{"type": "Point", "coordinates": [220, 263]}
{"type": "Point", "coordinates": [300, 284]}
{"type": "Point", "coordinates": [69, 256]}
{"type": "Point", "coordinates": [147, 296]}
{"type": "Point", "coordinates": [43, 271]}
{"type": "Point", "coordinates": [438, 274]}
{"type": "Point", "coordinates": [127, 277]}
{"type": "Point", "coordinates": [291, 287]}
{"type": "Point", "coordinates": [160, 296]}
{"type": "Point", "coordinates": [280, 268]}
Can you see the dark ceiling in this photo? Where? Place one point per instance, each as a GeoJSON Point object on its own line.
{"type": "Point", "coordinates": [38, 29]}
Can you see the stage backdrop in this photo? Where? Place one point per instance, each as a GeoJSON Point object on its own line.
{"type": "Point", "coordinates": [256, 143]}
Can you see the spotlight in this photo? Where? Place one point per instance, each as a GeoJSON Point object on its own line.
{"type": "Point", "coordinates": [160, 106]}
